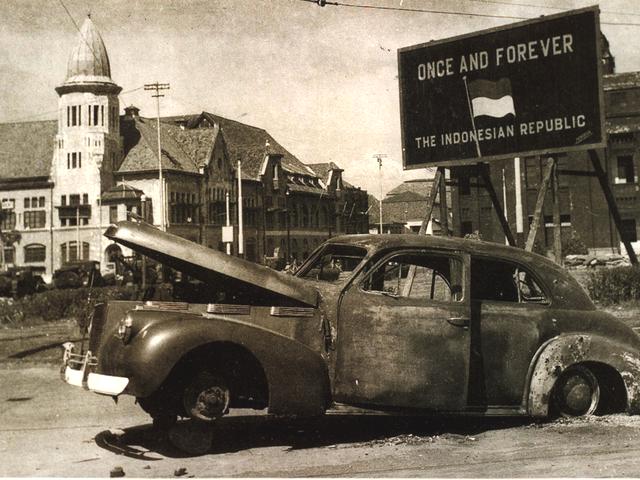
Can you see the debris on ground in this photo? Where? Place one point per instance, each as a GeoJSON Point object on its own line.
{"type": "Point", "coordinates": [116, 472]}
{"type": "Point", "coordinates": [180, 472]}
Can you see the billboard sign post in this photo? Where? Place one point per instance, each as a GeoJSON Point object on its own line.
{"type": "Point", "coordinates": [524, 89]}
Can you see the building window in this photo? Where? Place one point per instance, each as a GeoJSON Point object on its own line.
{"type": "Point", "coordinates": [63, 200]}
{"type": "Point", "coordinates": [9, 255]}
{"type": "Point", "coordinates": [8, 220]}
{"type": "Point", "coordinates": [626, 172]}
{"type": "Point", "coordinates": [35, 253]}
{"type": "Point", "coordinates": [629, 232]}
{"type": "Point", "coordinates": [74, 199]}
{"type": "Point", "coordinates": [35, 218]}
{"type": "Point", "coordinates": [69, 251]}
{"type": "Point", "coordinates": [85, 198]}
{"type": "Point", "coordinates": [113, 214]}
{"type": "Point", "coordinates": [466, 228]}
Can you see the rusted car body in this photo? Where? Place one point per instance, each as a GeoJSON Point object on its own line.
{"type": "Point", "coordinates": [379, 323]}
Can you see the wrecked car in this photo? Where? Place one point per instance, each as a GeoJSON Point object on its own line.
{"type": "Point", "coordinates": [369, 324]}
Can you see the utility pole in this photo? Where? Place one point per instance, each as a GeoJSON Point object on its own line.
{"type": "Point", "coordinates": [379, 157]}
{"type": "Point", "coordinates": [157, 87]}
{"type": "Point", "coordinates": [240, 214]}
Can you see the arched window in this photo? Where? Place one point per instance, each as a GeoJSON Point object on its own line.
{"type": "Point", "coordinates": [34, 253]}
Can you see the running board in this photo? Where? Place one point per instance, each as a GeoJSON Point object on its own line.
{"type": "Point", "coordinates": [492, 411]}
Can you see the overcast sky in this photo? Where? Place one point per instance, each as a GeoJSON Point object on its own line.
{"type": "Point", "coordinates": [322, 81]}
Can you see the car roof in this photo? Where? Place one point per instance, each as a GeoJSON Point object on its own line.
{"type": "Point", "coordinates": [568, 293]}
{"type": "Point", "coordinates": [412, 240]}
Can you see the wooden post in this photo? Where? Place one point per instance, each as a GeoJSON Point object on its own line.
{"type": "Point", "coordinates": [431, 200]}
{"type": "Point", "coordinates": [444, 207]}
{"type": "Point", "coordinates": [557, 227]}
{"type": "Point", "coordinates": [435, 187]}
{"type": "Point", "coordinates": [486, 177]}
{"type": "Point", "coordinates": [611, 201]}
{"type": "Point", "coordinates": [533, 228]}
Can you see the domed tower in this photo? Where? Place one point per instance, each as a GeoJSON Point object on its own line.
{"type": "Point", "coordinates": [88, 143]}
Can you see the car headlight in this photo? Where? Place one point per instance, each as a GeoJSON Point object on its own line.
{"type": "Point", "coordinates": [125, 329]}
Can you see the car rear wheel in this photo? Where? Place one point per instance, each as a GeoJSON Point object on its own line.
{"type": "Point", "coordinates": [576, 393]}
{"type": "Point", "coordinates": [207, 397]}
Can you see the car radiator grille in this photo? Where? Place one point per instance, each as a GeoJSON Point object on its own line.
{"type": "Point", "coordinates": [97, 327]}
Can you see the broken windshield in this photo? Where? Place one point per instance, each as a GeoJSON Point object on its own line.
{"type": "Point", "coordinates": [333, 263]}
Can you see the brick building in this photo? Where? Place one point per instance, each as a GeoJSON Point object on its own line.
{"type": "Point", "coordinates": [63, 182]}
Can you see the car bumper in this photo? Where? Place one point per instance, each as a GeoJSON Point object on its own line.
{"type": "Point", "coordinates": [76, 370]}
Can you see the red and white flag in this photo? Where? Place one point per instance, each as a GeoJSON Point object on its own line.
{"type": "Point", "coordinates": [490, 98]}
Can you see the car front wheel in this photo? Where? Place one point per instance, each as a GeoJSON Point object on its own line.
{"type": "Point", "coordinates": [576, 393]}
{"type": "Point", "coordinates": [207, 397]}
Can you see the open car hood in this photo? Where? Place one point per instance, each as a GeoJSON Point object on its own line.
{"type": "Point", "coordinates": [215, 268]}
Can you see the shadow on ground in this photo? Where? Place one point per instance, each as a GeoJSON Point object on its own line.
{"type": "Point", "coordinates": [237, 433]}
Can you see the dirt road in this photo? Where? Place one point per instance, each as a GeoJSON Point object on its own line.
{"type": "Point", "coordinates": [50, 429]}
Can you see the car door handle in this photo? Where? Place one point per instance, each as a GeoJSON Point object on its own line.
{"type": "Point", "coordinates": [459, 321]}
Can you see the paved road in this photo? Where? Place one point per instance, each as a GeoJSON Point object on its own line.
{"type": "Point", "coordinates": [50, 429]}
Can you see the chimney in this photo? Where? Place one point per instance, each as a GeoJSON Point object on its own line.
{"type": "Point", "coordinates": [131, 112]}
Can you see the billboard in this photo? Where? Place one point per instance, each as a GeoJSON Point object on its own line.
{"type": "Point", "coordinates": [523, 89]}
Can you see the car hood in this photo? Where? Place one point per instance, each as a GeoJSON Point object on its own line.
{"type": "Point", "coordinates": [213, 267]}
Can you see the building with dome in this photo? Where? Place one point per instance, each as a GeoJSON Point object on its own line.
{"type": "Point", "coordinates": [64, 181]}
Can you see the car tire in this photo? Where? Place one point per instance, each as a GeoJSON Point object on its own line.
{"type": "Point", "coordinates": [576, 393]}
{"type": "Point", "coordinates": [207, 397]}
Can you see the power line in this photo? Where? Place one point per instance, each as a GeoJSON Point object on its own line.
{"type": "Point", "coordinates": [323, 3]}
{"type": "Point", "coordinates": [547, 7]}
{"type": "Point", "coordinates": [78, 29]}
{"type": "Point", "coordinates": [415, 10]}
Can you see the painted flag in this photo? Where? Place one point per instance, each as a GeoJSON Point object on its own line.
{"type": "Point", "coordinates": [491, 98]}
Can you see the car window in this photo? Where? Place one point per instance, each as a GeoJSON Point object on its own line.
{"type": "Point", "coordinates": [504, 282]}
{"type": "Point", "coordinates": [418, 276]}
{"type": "Point", "coordinates": [333, 264]}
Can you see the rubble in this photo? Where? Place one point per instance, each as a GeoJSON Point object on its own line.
{"type": "Point", "coordinates": [603, 259]}
{"type": "Point", "coordinates": [116, 472]}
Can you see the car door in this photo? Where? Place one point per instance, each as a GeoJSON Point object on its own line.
{"type": "Point", "coordinates": [403, 336]}
{"type": "Point", "coordinates": [509, 311]}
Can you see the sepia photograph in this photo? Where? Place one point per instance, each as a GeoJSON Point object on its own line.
{"type": "Point", "coordinates": [316, 238]}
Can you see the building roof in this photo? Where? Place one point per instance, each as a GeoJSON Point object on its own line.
{"type": "Point", "coordinates": [245, 142]}
{"type": "Point", "coordinates": [420, 187]}
{"type": "Point", "coordinates": [182, 150]}
{"type": "Point", "coordinates": [26, 149]}
{"type": "Point", "coordinates": [406, 196]}
{"type": "Point", "coordinates": [322, 170]}
{"type": "Point", "coordinates": [88, 62]}
{"type": "Point", "coordinates": [122, 191]}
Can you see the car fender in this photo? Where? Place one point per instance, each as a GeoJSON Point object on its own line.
{"type": "Point", "coordinates": [297, 376]}
{"type": "Point", "coordinates": [561, 352]}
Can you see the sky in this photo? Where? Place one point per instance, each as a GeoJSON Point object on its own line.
{"type": "Point", "coordinates": [322, 80]}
